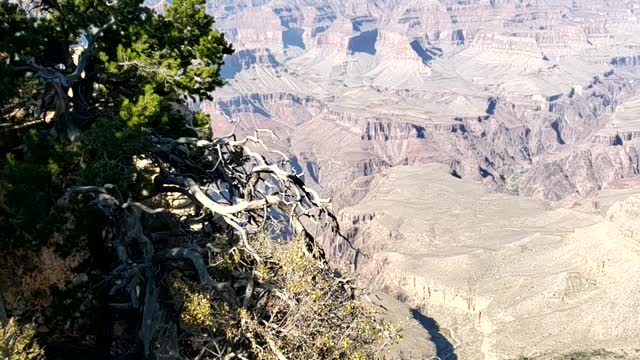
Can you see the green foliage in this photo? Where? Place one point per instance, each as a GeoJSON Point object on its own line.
{"type": "Point", "coordinates": [21, 35]}
{"type": "Point", "coordinates": [31, 186]}
{"type": "Point", "coordinates": [144, 111]}
{"type": "Point", "coordinates": [7, 83]}
{"type": "Point", "coordinates": [18, 343]}
{"type": "Point", "coordinates": [142, 68]}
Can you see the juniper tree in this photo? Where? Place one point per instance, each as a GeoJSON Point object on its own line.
{"type": "Point", "coordinates": [100, 74]}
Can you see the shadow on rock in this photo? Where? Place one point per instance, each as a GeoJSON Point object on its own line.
{"type": "Point", "coordinates": [444, 349]}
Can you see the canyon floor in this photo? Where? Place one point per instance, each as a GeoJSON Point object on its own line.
{"type": "Point", "coordinates": [503, 275]}
{"type": "Point", "coordinates": [484, 157]}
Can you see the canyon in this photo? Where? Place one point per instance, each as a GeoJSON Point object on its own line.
{"type": "Point", "coordinates": [483, 155]}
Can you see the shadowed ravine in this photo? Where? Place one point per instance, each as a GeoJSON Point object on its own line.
{"type": "Point", "coordinates": [444, 349]}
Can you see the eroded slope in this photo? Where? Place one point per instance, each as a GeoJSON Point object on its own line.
{"type": "Point", "coordinates": [505, 276]}
{"type": "Point", "coordinates": [510, 93]}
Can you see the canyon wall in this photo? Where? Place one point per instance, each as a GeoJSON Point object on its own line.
{"type": "Point", "coordinates": [470, 148]}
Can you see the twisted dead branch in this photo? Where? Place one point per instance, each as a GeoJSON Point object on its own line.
{"type": "Point", "coordinates": [239, 196]}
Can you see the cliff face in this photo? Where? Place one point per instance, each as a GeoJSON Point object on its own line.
{"type": "Point", "coordinates": [492, 89]}
{"type": "Point", "coordinates": [557, 141]}
{"type": "Point", "coordinates": [582, 171]}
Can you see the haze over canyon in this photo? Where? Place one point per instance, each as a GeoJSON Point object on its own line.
{"type": "Point", "coordinates": [483, 155]}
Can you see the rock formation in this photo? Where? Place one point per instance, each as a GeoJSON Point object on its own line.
{"type": "Point", "coordinates": [474, 148]}
{"type": "Point", "coordinates": [493, 89]}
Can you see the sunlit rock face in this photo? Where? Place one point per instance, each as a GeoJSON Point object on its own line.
{"type": "Point", "coordinates": [500, 91]}
{"type": "Point", "coordinates": [473, 149]}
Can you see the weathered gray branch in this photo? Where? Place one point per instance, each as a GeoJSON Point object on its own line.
{"type": "Point", "coordinates": [236, 200]}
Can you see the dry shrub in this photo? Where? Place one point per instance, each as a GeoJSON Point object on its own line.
{"type": "Point", "coordinates": [298, 310]}
{"type": "Point", "coordinates": [38, 273]}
